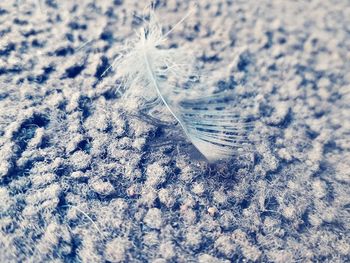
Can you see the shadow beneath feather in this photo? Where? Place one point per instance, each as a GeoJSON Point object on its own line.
{"type": "Point", "coordinates": [169, 139]}
{"type": "Point", "coordinates": [227, 173]}
{"type": "Point", "coordinates": [170, 136]}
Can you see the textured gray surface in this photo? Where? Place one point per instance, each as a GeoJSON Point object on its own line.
{"type": "Point", "coordinates": [83, 179]}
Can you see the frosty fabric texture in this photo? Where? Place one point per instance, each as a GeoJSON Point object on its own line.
{"type": "Point", "coordinates": [83, 180]}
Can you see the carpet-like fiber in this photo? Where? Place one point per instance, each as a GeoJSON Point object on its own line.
{"type": "Point", "coordinates": [84, 180]}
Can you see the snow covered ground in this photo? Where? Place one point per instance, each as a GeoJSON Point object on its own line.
{"type": "Point", "coordinates": [84, 180]}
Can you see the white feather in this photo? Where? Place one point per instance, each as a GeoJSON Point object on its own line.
{"type": "Point", "coordinates": [151, 72]}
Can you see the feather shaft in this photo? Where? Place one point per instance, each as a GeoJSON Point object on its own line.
{"type": "Point", "coordinates": [155, 85]}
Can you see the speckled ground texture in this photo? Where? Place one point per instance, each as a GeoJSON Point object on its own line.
{"type": "Point", "coordinates": [84, 180]}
